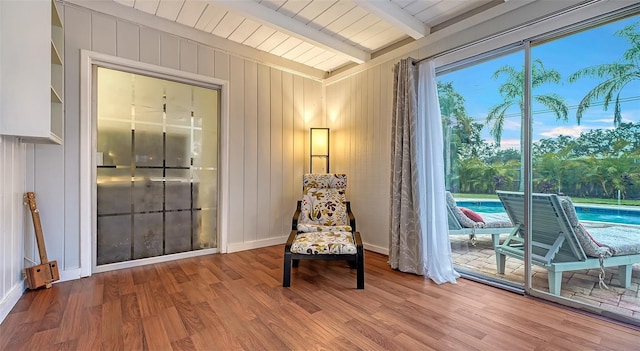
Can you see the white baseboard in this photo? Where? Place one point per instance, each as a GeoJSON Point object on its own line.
{"type": "Point", "coordinates": [71, 274]}
{"type": "Point", "coordinates": [11, 299]}
{"type": "Point", "coordinates": [378, 249]}
{"type": "Point", "coordinates": [256, 244]}
{"type": "Point", "coordinates": [152, 260]}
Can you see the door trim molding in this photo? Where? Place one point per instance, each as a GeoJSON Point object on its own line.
{"type": "Point", "coordinates": [88, 218]}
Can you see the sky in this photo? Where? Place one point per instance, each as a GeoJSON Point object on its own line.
{"type": "Point", "coordinates": [566, 55]}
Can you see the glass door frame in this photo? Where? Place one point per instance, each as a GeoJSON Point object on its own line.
{"type": "Point", "coordinates": [559, 25]}
{"type": "Point", "coordinates": [88, 135]}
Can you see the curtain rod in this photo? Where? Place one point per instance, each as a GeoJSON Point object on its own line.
{"type": "Point", "coordinates": [523, 25]}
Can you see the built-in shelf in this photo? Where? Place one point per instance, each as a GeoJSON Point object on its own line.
{"type": "Point", "coordinates": [32, 72]}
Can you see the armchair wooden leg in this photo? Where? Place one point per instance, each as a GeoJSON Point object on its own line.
{"type": "Point", "coordinates": [360, 270]}
{"type": "Point", "coordinates": [286, 272]}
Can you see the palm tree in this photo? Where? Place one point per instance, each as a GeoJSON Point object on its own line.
{"type": "Point", "coordinates": [615, 76]}
{"type": "Point", "coordinates": [552, 168]}
{"type": "Point", "coordinates": [454, 115]}
{"type": "Point", "coordinates": [512, 91]}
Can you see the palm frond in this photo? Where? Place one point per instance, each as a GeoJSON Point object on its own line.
{"type": "Point", "coordinates": [506, 69]}
{"type": "Point", "coordinates": [541, 75]}
{"type": "Point", "coordinates": [617, 113]}
{"type": "Point", "coordinates": [511, 90]}
{"type": "Point", "coordinates": [496, 119]}
{"type": "Point", "coordinates": [555, 103]}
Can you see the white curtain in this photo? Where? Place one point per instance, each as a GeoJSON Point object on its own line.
{"type": "Point", "coordinates": [419, 234]}
{"type": "Point", "coordinates": [430, 162]}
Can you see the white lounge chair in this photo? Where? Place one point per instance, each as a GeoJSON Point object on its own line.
{"type": "Point", "coordinates": [561, 243]}
{"type": "Point", "coordinates": [460, 224]}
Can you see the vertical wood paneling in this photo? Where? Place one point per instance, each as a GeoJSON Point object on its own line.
{"type": "Point", "coordinates": [360, 146]}
{"type": "Point", "coordinates": [275, 203]}
{"type": "Point", "coordinates": [188, 56]}
{"type": "Point", "coordinates": [365, 118]}
{"type": "Point", "coordinates": [149, 46]}
{"type": "Point", "coordinates": [386, 94]}
{"type": "Point", "coordinates": [288, 171]}
{"type": "Point", "coordinates": [380, 197]}
{"type": "Point", "coordinates": [312, 114]}
{"type": "Point", "coordinates": [264, 150]}
{"type": "Point", "coordinates": [169, 51]}
{"type": "Point", "coordinates": [300, 165]}
{"type": "Point", "coordinates": [50, 196]}
{"type": "Point", "coordinates": [267, 141]}
{"type": "Point", "coordinates": [103, 34]}
{"type": "Point", "coordinates": [30, 246]}
{"type": "Point", "coordinates": [352, 140]}
{"type": "Point", "coordinates": [12, 221]}
{"type": "Point", "coordinates": [270, 113]}
{"type": "Point", "coordinates": [77, 37]}
{"type": "Point", "coordinates": [205, 61]}
{"type": "Point", "coordinates": [19, 213]}
{"type": "Point", "coordinates": [236, 149]}
{"type": "Point", "coordinates": [250, 150]}
{"type": "Point", "coordinates": [336, 102]}
{"type": "Point", "coordinates": [127, 40]}
{"type": "Point", "coordinates": [221, 68]}
{"type": "Point", "coordinates": [6, 233]}
{"type": "Point", "coordinates": [370, 118]}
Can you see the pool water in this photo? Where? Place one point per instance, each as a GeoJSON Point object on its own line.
{"type": "Point", "coordinates": [600, 214]}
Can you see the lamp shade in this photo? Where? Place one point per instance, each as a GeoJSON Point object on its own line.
{"type": "Point", "coordinates": [319, 150]}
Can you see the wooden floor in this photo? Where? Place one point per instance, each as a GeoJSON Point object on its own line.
{"type": "Point", "coordinates": [236, 302]}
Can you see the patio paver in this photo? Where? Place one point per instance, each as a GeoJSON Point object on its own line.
{"type": "Point", "coordinates": [579, 285]}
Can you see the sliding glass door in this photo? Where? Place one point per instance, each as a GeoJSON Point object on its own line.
{"type": "Point", "coordinates": [157, 162]}
{"type": "Point", "coordinates": [582, 158]}
{"type": "Point", "coordinates": [591, 155]}
{"type": "Point", "coordinates": [481, 107]}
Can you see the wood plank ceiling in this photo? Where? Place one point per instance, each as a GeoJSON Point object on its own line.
{"type": "Point", "coordinates": [323, 34]}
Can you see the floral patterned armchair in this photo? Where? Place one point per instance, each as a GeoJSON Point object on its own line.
{"type": "Point", "coordinates": [323, 227]}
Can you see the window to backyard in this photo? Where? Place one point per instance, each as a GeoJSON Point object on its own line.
{"type": "Point", "coordinates": [585, 134]}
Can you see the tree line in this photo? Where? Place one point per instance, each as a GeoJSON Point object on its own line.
{"type": "Point", "coordinates": [602, 163]}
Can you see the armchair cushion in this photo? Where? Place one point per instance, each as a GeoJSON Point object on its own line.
{"type": "Point", "coordinates": [324, 243]}
{"type": "Point", "coordinates": [307, 228]}
{"type": "Point", "coordinates": [325, 207]}
{"type": "Point", "coordinates": [321, 181]}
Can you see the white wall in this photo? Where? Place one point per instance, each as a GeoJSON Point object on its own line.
{"type": "Point", "coordinates": [359, 115]}
{"type": "Point", "coordinates": [271, 110]}
{"type": "Point", "coordinates": [267, 130]}
{"type": "Point", "coordinates": [359, 101]}
{"type": "Point", "coordinates": [13, 219]}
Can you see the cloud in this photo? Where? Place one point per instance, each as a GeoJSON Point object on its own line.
{"type": "Point", "coordinates": [604, 120]}
{"type": "Point", "coordinates": [510, 124]}
{"type": "Point", "coordinates": [606, 117]}
{"type": "Point", "coordinates": [573, 131]}
{"type": "Point", "coordinates": [507, 143]}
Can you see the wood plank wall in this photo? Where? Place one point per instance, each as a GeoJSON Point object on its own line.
{"type": "Point", "coordinates": [12, 221]}
{"type": "Point", "coordinates": [359, 115]}
{"type": "Point", "coordinates": [268, 126]}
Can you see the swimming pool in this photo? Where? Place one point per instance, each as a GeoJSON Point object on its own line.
{"type": "Point", "coordinates": [585, 213]}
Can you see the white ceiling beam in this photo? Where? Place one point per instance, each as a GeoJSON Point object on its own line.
{"type": "Point", "coordinates": [288, 25]}
{"type": "Point", "coordinates": [395, 16]}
